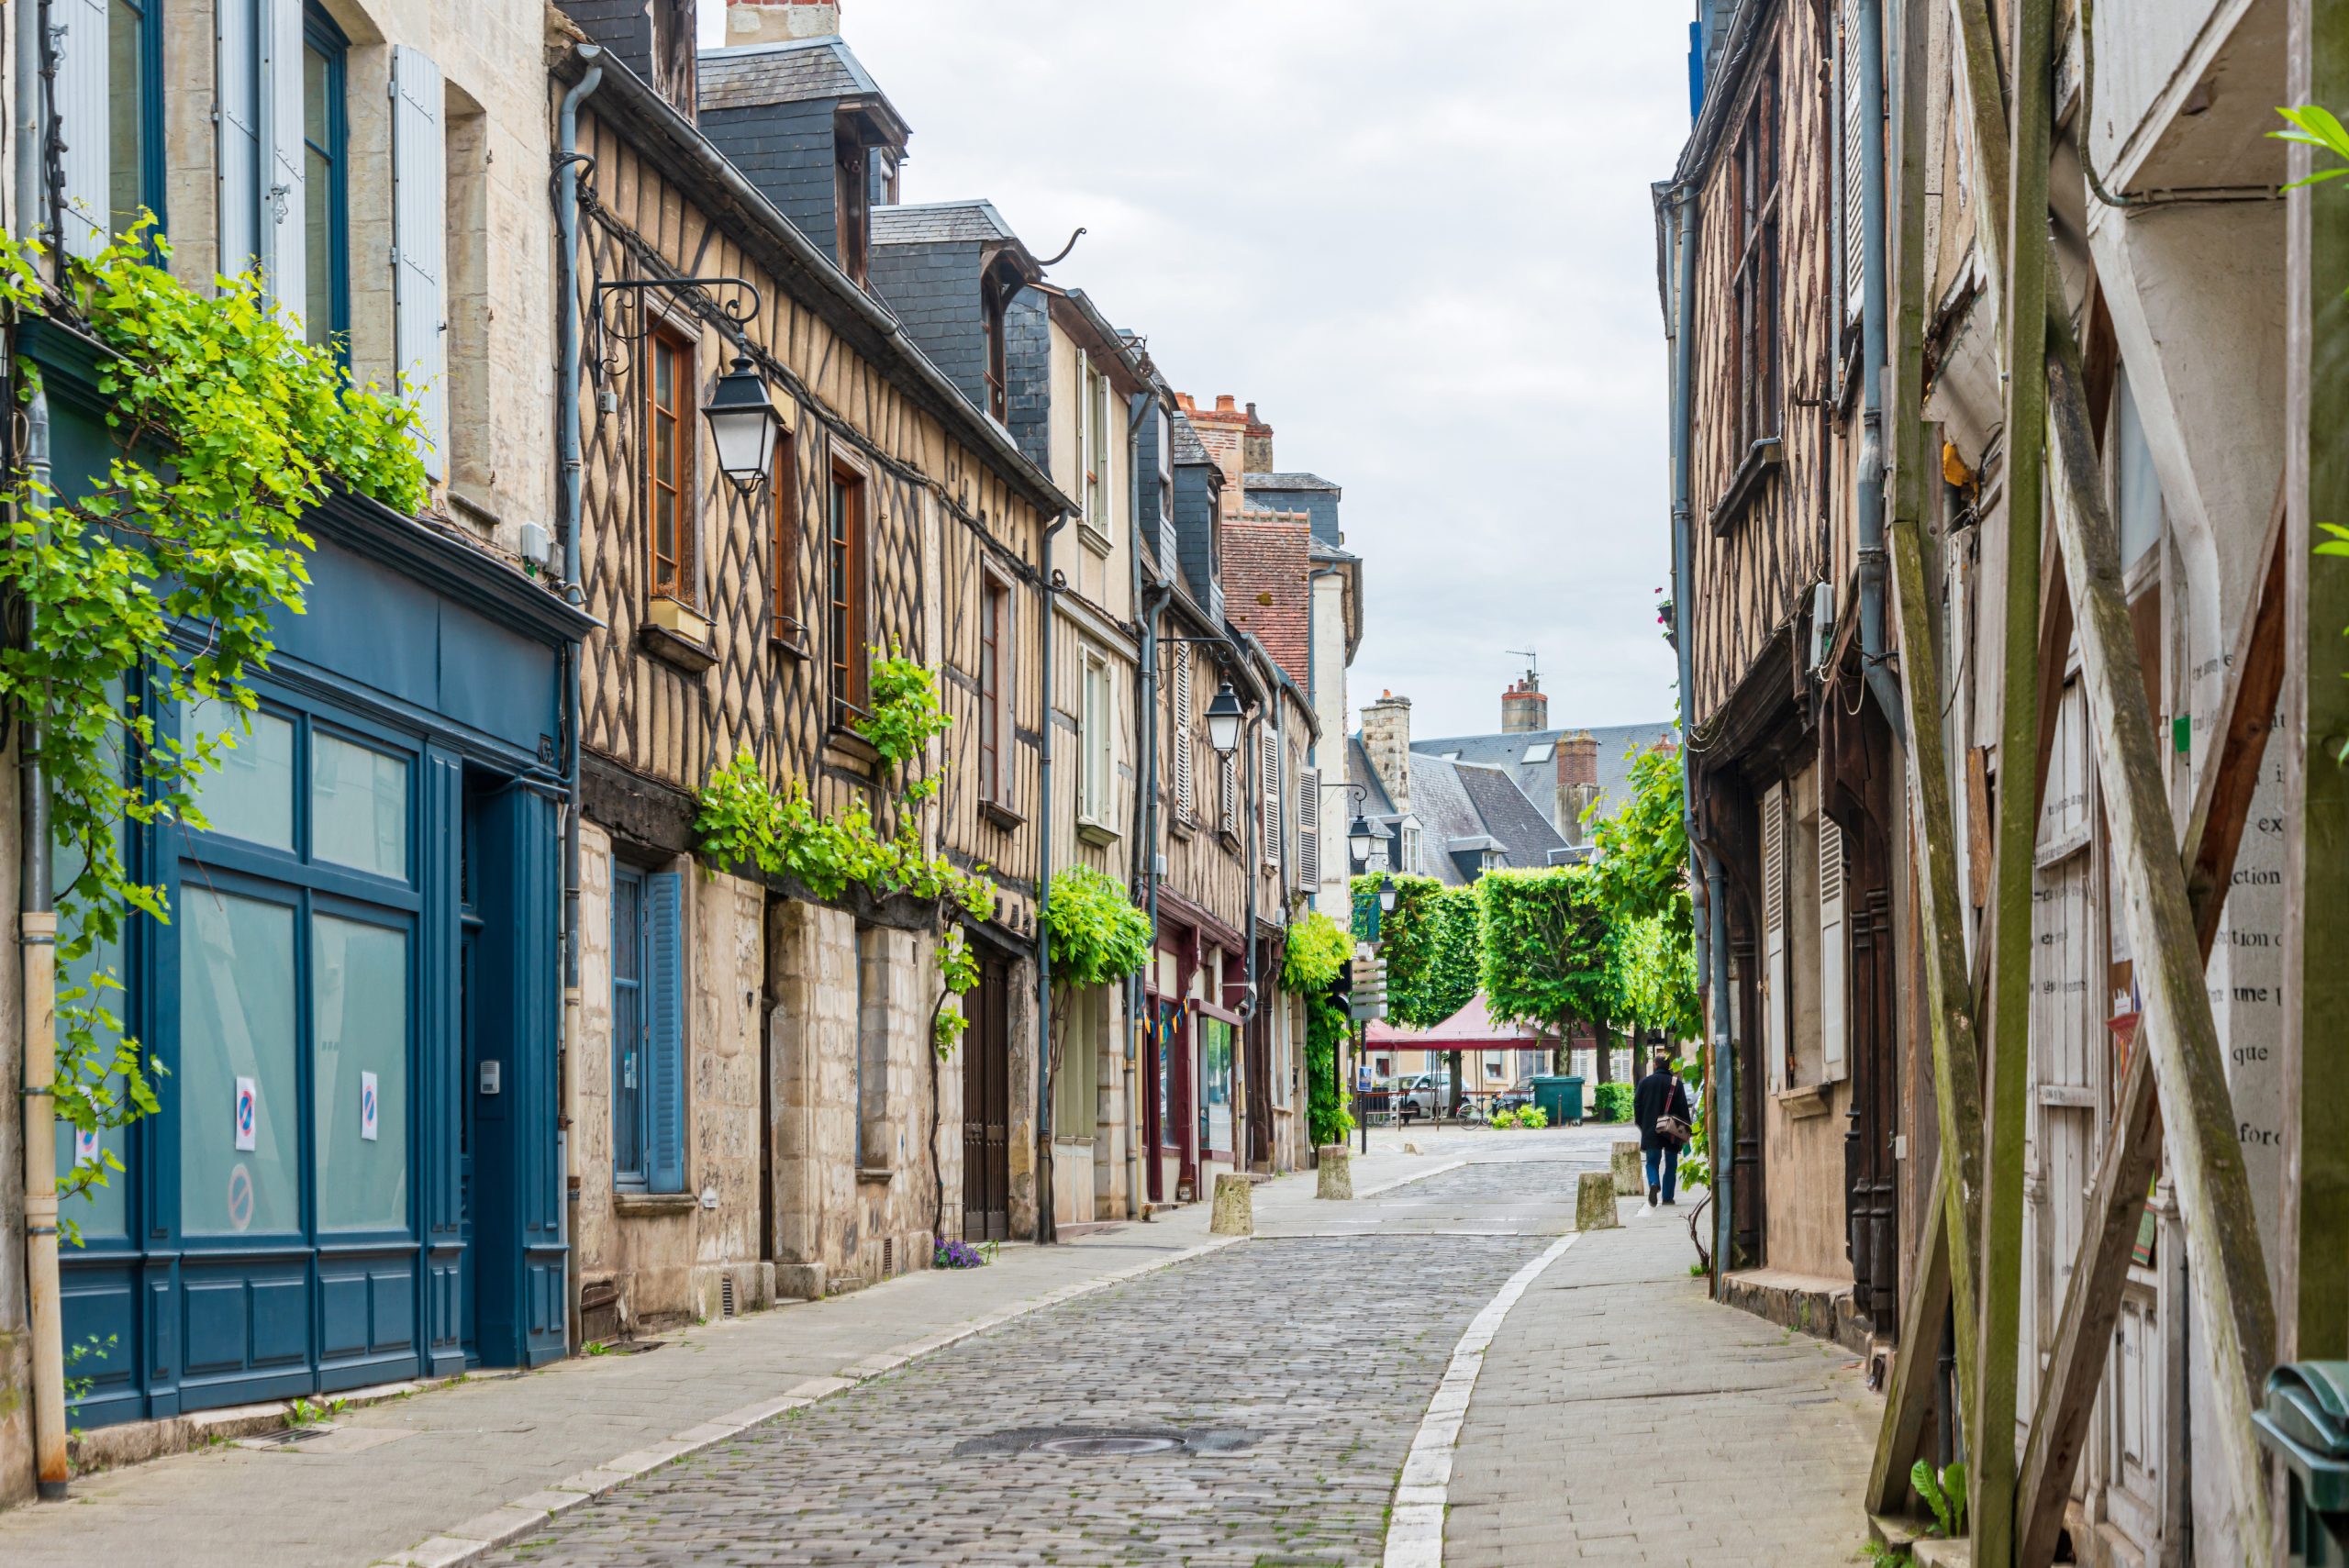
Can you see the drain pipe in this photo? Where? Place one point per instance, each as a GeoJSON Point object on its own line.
{"type": "Point", "coordinates": [1046, 1230]}
{"type": "Point", "coordinates": [1872, 557]}
{"type": "Point", "coordinates": [566, 210]}
{"type": "Point", "coordinates": [1712, 947]}
{"type": "Point", "coordinates": [1137, 997]}
{"type": "Point", "coordinates": [37, 916]}
{"type": "Point", "coordinates": [1155, 595]}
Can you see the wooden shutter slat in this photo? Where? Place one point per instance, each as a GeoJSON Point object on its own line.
{"type": "Point", "coordinates": [1833, 945]}
{"type": "Point", "coordinates": [420, 228]}
{"type": "Point", "coordinates": [284, 209]}
{"type": "Point", "coordinates": [237, 36]}
{"type": "Point", "coordinates": [1774, 932]}
{"type": "Point", "coordinates": [665, 1017]}
{"type": "Point", "coordinates": [83, 116]}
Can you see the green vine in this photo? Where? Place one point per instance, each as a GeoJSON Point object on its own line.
{"type": "Point", "coordinates": [1319, 951]}
{"type": "Point", "coordinates": [744, 821]}
{"type": "Point", "coordinates": [228, 426]}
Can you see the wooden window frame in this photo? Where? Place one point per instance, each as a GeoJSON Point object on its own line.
{"type": "Point", "coordinates": [322, 35]}
{"type": "Point", "coordinates": [995, 302]}
{"type": "Point", "coordinates": [848, 571]}
{"type": "Point", "coordinates": [682, 582]}
{"type": "Point", "coordinates": [851, 200]}
{"type": "Point", "coordinates": [995, 683]}
{"type": "Point", "coordinates": [1097, 737]}
{"type": "Point", "coordinates": [1757, 352]}
{"type": "Point", "coordinates": [784, 525]}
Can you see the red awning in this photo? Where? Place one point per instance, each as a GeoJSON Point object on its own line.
{"type": "Point", "coordinates": [1470, 1029]}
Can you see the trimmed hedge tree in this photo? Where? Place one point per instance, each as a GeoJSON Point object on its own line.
{"type": "Point", "coordinates": [1549, 956]}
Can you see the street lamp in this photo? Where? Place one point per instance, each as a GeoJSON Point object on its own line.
{"type": "Point", "coordinates": [1361, 840]}
{"type": "Point", "coordinates": [1386, 892]}
{"type": "Point", "coordinates": [743, 422]}
{"type": "Point", "coordinates": [1223, 720]}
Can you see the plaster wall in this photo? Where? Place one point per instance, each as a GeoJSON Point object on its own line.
{"type": "Point", "coordinates": [1329, 756]}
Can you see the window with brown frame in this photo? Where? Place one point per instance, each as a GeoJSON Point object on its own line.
{"type": "Point", "coordinates": [994, 678]}
{"type": "Point", "coordinates": [783, 503]}
{"type": "Point", "coordinates": [845, 563]}
{"type": "Point", "coordinates": [669, 464]}
{"type": "Point", "coordinates": [1754, 285]}
{"type": "Point", "coordinates": [992, 302]}
{"type": "Point", "coordinates": [852, 197]}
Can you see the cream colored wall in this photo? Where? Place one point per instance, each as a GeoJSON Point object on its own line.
{"type": "Point", "coordinates": [501, 390]}
{"type": "Point", "coordinates": [1802, 1182]}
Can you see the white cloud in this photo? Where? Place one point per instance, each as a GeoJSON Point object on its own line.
{"type": "Point", "coordinates": [1417, 235]}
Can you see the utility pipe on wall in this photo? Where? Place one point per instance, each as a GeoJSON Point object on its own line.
{"type": "Point", "coordinates": [1137, 997]}
{"type": "Point", "coordinates": [566, 208]}
{"type": "Point", "coordinates": [1869, 48]}
{"type": "Point", "coordinates": [1045, 1229]}
{"type": "Point", "coordinates": [36, 917]}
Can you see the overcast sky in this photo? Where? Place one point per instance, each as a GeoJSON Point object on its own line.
{"type": "Point", "coordinates": [1417, 235]}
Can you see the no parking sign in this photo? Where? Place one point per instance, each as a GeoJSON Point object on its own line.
{"type": "Point", "coordinates": [247, 1115]}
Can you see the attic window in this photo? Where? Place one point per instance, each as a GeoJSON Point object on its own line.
{"type": "Point", "coordinates": [1538, 753]}
{"type": "Point", "coordinates": [851, 200]}
{"type": "Point", "coordinates": [992, 299]}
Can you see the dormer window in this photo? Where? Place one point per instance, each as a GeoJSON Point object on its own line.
{"type": "Point", "coordinates": [852, 197]}
{"type": "Point", "coordinates": [992, 297]}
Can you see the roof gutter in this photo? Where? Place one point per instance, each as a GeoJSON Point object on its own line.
{"type": "Point", "coordinates": [650, 123]}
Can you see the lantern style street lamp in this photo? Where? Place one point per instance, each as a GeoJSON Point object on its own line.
{"type": "Point", "coordinates": [744, 423]}
{"type": "Point", "coordinates": [1361, 840]}
{"type": "Point", "coordinates": [1223, 720]}
{"type": "Point", "coordinates": [1386, 894]}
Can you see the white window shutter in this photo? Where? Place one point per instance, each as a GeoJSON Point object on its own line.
{"type": "Point", "coordinates": [1268, 797]}
{"type": "Point", "coordinates": [237, 34]}
{"type": "Point", "coordinates": [84, 110]}
{"type": "Point", "coordinates": [1186, 783]}
{"type": "Point", "coordinates": [1774, 933]}
{"type": "Point", "coordinates": [419, 230]}
{"type": "Point", "coordinates": [1309, 828]}
{"type": "Point", "coordinates": [1835, 943]}
{"type": "Point", "coordinates": [1854, 111]}
{"type": "Point", "coordinates": [284, 211]}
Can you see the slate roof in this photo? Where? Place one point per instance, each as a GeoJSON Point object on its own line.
{"type": "Point", "coordinates": [1539, 780]}
{"type": "Point", "coordinates": [1188, 448]}
{"type": "Point", "coordinates": [925, 223]}
{"type": "Point", "coordinates": [1289, 482]}
{"type": "Point", "coordinates": [751, 74]}
{"type": "Point", "coordinates": [1462, 809]}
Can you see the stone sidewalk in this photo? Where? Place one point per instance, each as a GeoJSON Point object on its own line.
{"type": "Point", "coordinates": [431, 1477]}
{"type": "Point", "coordinates": [1622, 1417]}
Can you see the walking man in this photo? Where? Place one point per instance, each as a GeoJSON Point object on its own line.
{"type": "Point", "coordinates": [1660, 1105]}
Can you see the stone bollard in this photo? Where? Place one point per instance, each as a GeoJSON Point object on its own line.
{"type": "Point", "coordinates": [1631, 1176]}
{"type": "Point", "coordinates": [1337, 1172]}
{"type": "Point", "coordinates": [1235, 1208]}
{"type": "Point", "coordinates": [1595, 1202]}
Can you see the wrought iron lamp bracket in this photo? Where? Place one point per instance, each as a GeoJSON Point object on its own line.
{"type": "Point", "coordinates": [620, 301]}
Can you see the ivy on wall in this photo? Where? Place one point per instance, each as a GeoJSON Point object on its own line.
{"type": "Point", "coordinates": [228, 426]}
{"type": "Point", "coordinates": [1319, 951]}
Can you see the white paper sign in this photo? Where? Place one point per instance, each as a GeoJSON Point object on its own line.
{"type": "Point", "coordinates": [368, 1106]}
{"type": "Point", "coordinates": [85, 1145]}
{"type": "Point", "coordinates": [247, 1115]}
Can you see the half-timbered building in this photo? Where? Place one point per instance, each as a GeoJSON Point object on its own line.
{"type": "Point", "coordinates": [757, 1104]}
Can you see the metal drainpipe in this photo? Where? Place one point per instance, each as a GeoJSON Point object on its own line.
{"type": "Point", "coordinates": [1138, 406]}
{"type": "Point", "coordinates": [1878, 678]}
{"type": "Point", "coordinates": [1046, 1231]}
{"type": "Point", "coordinates": [566, 211]}
{"type": "Point", "coordinates": [1157, 595]}
{"type": "Point", "coordinates": [37, 917]}
{"type": "Point", "coordinates": [1711, 942]}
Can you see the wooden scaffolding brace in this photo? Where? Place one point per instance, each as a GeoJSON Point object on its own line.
{"type": "Point", "coordinates": [2174, 1089]}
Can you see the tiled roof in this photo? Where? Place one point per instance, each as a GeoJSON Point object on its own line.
{"type": "Point", "coordinates": [1461, 810]}
{"type": "Point", "coordinates": [791, 73]}
{"type": "Point", "coordinates": [1291, 481]}
{"type": "Point", "coordinates": [930, 222]}
{"type": "Point", "coordinates": [1523, 830]}
{"type": "Point", "coordinates": [1188, 448]}
{"type": "Point", "coordinates": [1539, 779]}
{"type": "Point", "coordinates": [1267, 585]}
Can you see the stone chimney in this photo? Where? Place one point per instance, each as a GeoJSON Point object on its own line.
{"type": "Point", "coordinates": [1578, 783]}
{"type": "Point", "coordinates": [779, 21]}
{"type": "Point", "coordinates": [1256, 445]}
{"type": "Point", "coordinates": [1524, 707]}
{"type": "Point", "coordinates": [1387, 741]}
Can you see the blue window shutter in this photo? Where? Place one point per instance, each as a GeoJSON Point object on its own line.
{"type": "Point", "coordinates": [84, 112]}
{"type": "Point", "coordinates": [237, 32]}
{"type": "Point", "coordinates": [665, 1017]}
{"type": "Point", "coordinates": [285, 210]}
{"type": "Point", "coordinates": [419, 224]}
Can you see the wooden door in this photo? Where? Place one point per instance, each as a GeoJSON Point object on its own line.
{"type": "Point", "coordinates": [1256, 1068]}
{"type": "Point", "coordinates": [986, 1109]}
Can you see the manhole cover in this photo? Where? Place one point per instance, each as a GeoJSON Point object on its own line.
{"type": "Point", "coordinates": [1107, 1447]}
{"type": "Point", "coordinates": [1106, 1442]}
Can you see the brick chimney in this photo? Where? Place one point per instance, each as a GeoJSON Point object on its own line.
{"type": "Point", "coordinates": [1387, 741]}
{"type": "Point", "coordinates": [1578, 783]}
{"type": "Point", "coordinates": [1256, 445]}
{"type": "Point", "coordinates": [779, 21]}
{"type": "Point", "coordinates": [1524, 707]}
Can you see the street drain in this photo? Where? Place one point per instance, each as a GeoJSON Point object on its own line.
{"type": "Point", "coordinates": [1106, 1442]}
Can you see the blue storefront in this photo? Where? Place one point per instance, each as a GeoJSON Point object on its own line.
{"type": "Point", "coordinates": [354, 1177]}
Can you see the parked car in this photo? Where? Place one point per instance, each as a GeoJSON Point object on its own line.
{"type": "Point", "coordinates": [1426, 1095]}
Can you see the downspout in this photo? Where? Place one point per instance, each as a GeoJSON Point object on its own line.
{"type": "Point", "coordinates": [1136, 996]}
{"type": "Point", "coordinates": [1046, 1231]}
{"type": "Point", "coordinates": [1157, 595]}
{"type": "Point", "coordinates": [1877, 676]}
{"type": "Point", "coordinates": [1712, 949]}
{"type": "Point", "coordinates": [566, 213]}
{"type": "Point", "coordinates": [37, 917]}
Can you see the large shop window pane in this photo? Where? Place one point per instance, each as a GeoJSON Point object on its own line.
{"type": "Point", "coordinates": [249, 793]}
{"type": "Point", "coordinates": [359, 1073]}
{"type": "Point", "coordinates": [1215, 1084]}
{"type": "Point", "coordinates": [239, 1138]}
{"type": "Point", "coordinates": [358, 806]}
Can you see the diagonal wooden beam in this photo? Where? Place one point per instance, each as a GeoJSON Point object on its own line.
{"type": "Point", "coordinates": [2234, 1311]}
{"type": "Point", "coordinates": [1908, 1393]}
{"type": "Point", "coordinates": [2133, 1150]}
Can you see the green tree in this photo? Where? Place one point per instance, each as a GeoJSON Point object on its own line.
{"type": "Point", "coordinates": [1642, 879]}
{"type": "Point", "coordinates": [1548, 954]}
{"type": "Point", "coordinates": [1428, 940]}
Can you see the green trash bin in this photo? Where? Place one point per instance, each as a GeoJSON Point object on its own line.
{"type": "Point", "coordinates": [2305, 1424]}
{"type": "Point", "coordinates": [1559, 1098]}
